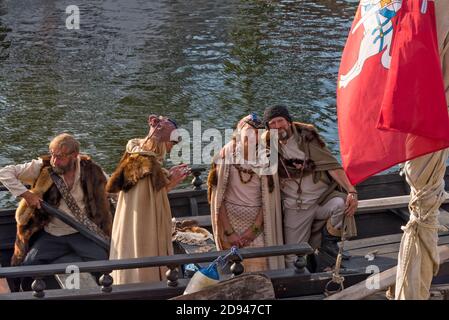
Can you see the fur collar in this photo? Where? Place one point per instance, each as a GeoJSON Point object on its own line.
{"type": "Point", "coordinates": [132, 168]}
{"type": "Point", "coordinates": [308, 132]}
{"type": "Point", "coordinates": [30, 220]}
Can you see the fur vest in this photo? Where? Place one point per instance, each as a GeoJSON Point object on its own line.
{"type": "Point", "coordinates": [30, 220]}
{"type": "Point", "coordinates": [132, 168]}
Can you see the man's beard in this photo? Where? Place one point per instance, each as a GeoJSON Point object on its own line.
{"type": "Point", "coordinates": [64, 169]}
{"type": "Point", "coordinates": [283, 134]}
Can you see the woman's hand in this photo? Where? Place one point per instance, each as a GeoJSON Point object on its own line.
{"type": "Point", "coordinates": [235, 240]}
{"type": "Point", "coordinates": [177, 174]}
{"type": "Point", "coordinates": [247, 237]}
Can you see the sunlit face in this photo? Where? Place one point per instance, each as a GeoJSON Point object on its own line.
{"type": "Point", "coordinates": [169, 145]}
{"type": "Point", "coordinates": [249, 139]}
{"type": "Point", "coordinates": [283, 127]}
{"type": "Point", "coordinates": [62, 160]}
{"type": "Point", "coordinates": [249, 136]}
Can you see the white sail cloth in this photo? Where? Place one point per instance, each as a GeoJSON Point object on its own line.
{"type": "Point", "coordinates": [418, 259]}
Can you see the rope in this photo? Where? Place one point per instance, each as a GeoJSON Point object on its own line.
{"type": "Point", "coordinates": [223, 260]}
{"type": "Point", "coordinates": [412, 227]}
{"type": "Point", "coordinates": [336, 277]}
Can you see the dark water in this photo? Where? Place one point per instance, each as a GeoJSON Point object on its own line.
{"type": "Point", "coordinates": [213, 61]}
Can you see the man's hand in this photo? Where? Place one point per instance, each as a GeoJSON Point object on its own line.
{"type": "Point", "coordinates": [351, 204]}
{"type": "Point", "coordinates": [32, 199]}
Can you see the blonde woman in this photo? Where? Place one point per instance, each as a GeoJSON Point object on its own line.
{"type": "Point", "coordinates": [142, 222]}
{"type": "Point", "coordinates": [245, 207]}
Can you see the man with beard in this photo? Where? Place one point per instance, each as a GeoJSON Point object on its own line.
{"type": "Point", "coordinates": [72, 183]}
{"type": "Point", "coordinates": [311, 183]}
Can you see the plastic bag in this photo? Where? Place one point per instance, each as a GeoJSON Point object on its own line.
{"type": "Point", "coordinates": [208, 276]}
{"type": "Point", "coordinates": [203, 278]}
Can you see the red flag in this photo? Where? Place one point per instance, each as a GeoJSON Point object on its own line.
{"type": "Point", "coordinates": [390, 95]}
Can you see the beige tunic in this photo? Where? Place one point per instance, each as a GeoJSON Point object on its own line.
{"type": "Point", "coordinates": [248, 194]}
{"type": "Point", "coordinates": [142, 228]}
{"type": "Point", "coordinates": [418, 259]}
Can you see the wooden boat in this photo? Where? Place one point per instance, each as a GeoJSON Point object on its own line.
{"type": "Point", "coordinates": [382, 211]}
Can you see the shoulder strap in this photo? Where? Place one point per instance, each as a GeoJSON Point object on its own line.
{"type": "Point", "coordinates": [74, 208]}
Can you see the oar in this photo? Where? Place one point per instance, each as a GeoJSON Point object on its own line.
{"type": "Point", "coordinates": [75, 224]}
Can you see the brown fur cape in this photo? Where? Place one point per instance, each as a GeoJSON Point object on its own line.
{"type": "Point", "coordinates": [132, 168]}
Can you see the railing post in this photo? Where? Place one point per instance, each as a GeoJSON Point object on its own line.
{"type": "Point", "coordinates": [237, 267]}
{"type": "Point", "coordinates": [172, 276]}
{"type": "Point", "coordinates": [197, 181]}
{"type": "Point", "coordinates": [38, 287]}
{"type": "Point", "coordinates": [106, 282]}
{"type": "Point", "coordinates": [300, 264]}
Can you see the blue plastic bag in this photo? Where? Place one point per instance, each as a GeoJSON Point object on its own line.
{"type": "Point", "coordinates": [209, 275]}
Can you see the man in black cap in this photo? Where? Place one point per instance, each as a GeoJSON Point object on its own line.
{"type": "Point", "coordinates": [311, 181]}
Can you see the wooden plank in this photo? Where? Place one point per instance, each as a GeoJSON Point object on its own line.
{"type": "Point", "coordinates": [386, 279]}
{"type": "Point", "coordinates": [148, 291]}
{"type": "Point", "coordinates": [402, 213]}
{"type": "Point", "coordinates": [381, 248]}
{"type": "Point", "coordinates": [439, 292]}
{"type": "Point", "coordinates": [380, 204]}
{"type": "Point", "coordinates": [244, 287]}
{"type": "Point", "coordinates": [389, 250]}
{"type": "Point", "coordinates": [443, 218]}
{"type": "Point", "coordinates": [383, 203]}
{"type": "Point", "coordinates": [372, 242]}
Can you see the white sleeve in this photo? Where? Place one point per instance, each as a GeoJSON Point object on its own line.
{"type": "Point", "coordinates": [133, 145]}
{"type": "Point", "coordinates": [14, 177]}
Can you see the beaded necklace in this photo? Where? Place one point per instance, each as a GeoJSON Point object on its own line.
{"type": "Point", "coordinates": [241, 170]}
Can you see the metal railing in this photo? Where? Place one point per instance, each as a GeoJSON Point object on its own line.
{"type": "Point", "coordinates": [105, 267]}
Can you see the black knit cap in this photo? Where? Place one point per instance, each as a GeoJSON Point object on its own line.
{"type": "Point", "coordinates": [276, 111]}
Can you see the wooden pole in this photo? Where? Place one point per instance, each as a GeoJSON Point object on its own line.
{"type": "Point", "coordinates": [75, 224]}
{"type": "Point", "coordinates": [387, 278]}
